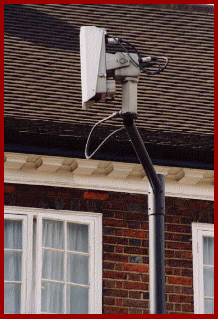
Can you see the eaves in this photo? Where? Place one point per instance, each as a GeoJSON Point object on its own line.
{"type": "Point", "coordinates": [105, 175]}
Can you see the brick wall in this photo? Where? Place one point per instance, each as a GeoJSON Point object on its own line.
{"type": "Point", "coordinates": [125, 242]}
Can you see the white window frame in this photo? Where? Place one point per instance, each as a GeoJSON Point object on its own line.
{"type": "Point", "coordinates": [93, 220]}
{"type": "Point", "coordinates": [199, 230]}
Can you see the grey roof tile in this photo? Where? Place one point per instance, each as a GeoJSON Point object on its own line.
{"type": "Point", "coordinates": [42, 64]}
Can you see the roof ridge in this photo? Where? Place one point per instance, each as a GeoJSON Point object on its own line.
{"type": "Point", "coordinates": [182, 7]}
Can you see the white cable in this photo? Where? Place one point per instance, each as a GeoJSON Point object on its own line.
{"type": "Point", "coordinates": [116, 114]}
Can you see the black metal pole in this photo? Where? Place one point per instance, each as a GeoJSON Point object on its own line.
{"type": "Point", "coordinates": [156, 212]}
{"type": "Point", "coordinates": [138, 145]}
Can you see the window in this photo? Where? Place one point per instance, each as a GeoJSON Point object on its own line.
{"type": "Point", "coordinates": [52, 262]}
{"type": "Point", "coordinates": [14, 263]}
{"type": "Point", "coordinates": [203, 267]}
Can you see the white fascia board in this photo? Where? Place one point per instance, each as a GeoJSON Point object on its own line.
{"type": "Point", "coordinates": [122, 177]}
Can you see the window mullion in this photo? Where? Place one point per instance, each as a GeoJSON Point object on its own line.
{"type": "Point", "coordinates": [29, 273]}
{"type": "Point", "coordinates": [201, 281]}
{"type": "Point", "coordinates": [13, 250]}
{"type": "Point", "coordinates": [39, 265]}
{"type": "Point", "coordinates": [65, 267]}
{"type": "Point", "coordinates": [91, 268]}
{"type": "Point", "coordinates": [13, 282]}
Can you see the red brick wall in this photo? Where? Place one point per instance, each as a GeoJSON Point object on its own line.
{"type": "Point", "coordinates": [125, 242]}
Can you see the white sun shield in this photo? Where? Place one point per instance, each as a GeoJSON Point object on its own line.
{"type": "Point", "coordinates": [93, 65]}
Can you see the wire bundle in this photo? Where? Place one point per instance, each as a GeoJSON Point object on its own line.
{"type": "Point", "coordinates": [141, 65]}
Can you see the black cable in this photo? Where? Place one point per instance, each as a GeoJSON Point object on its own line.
{"type": "Point", "coordinates": [132, 46]}
{"type": "Point", "coordinates": [114, 115]}
{"type": "Point", "coordinates": [119, 41]}
{"type": "Point", "coordinates": [132, 60]}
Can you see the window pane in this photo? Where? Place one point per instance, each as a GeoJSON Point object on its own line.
{"type": "Point", "coordinates": [77, 267]}
{"type": "Point", "coordinates": [208, 307]}
{"type": "Point", "coordinates": [53, 265]}
{"type": "Point", "coordinates": [77, 237]}
{"type": "Point", "coordinates": [52, 297]}
{"type": "Point", "coordinates": [208, 274]}
{"type": "Point", "coordinates": [77, 300]}
{"type": "Point", "coordinates": [12, 266]}
{"type": "Point", "coordinates": [13, 234]}
{"type": "Point", "coordinates": [53, 234]}
{"type": "Point", "coordinates": [12, 298]}
{"type": "Point", "coordinates": [208, 254]}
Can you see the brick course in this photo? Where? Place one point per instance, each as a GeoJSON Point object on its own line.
{"type": "Point", "coordinates": [125, 242]}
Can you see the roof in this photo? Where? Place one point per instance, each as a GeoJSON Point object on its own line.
{"type": "Point", "coordinates": [42, 80]}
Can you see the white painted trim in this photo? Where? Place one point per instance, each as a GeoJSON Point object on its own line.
{"type": "Point", "coordinates": [36, 211]}
{"type": "Point", "coordinates": [93, 174]}
{"type": "Point", "coordinates": [30, 259]}
{"type": "Point", "coordinates": [38, 289]}
{"type": "Point", "coordinates": [98, 265]}
{"type": "Point", "coordinates": [198, 231]}
{"type": "Point", "coordinates": [91, 276]}
{"type": "Point", "coordinates": [65, 266]}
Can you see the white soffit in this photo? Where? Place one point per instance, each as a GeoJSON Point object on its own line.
{"type": "Point", "coordinates": [105, 175]}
